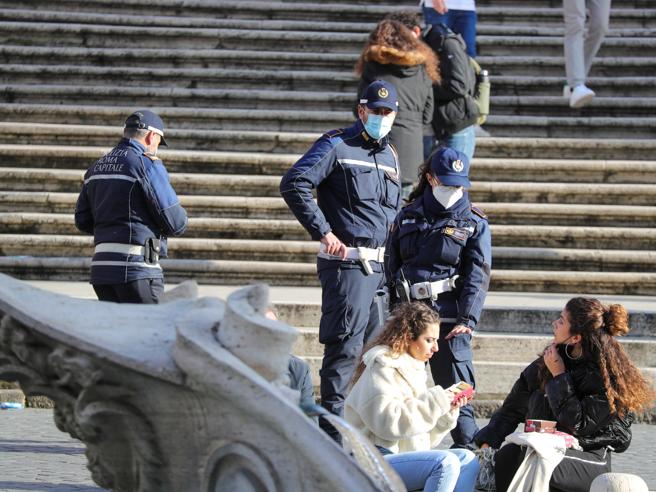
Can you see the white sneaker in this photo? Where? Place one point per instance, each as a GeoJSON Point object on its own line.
{"type": "Point", "coordinates": [580, 96]}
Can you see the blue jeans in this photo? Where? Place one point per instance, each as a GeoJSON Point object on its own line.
{"type": "Point", "coordinates": [464, 141]}
{"type": "Point", "coordinates": [436, 470]}
{"type": "Point", "coordinates": [462, 22]}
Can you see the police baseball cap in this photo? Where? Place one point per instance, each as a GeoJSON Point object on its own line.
{"type": "Point", "coordinates": [380, 94]}
{"type": "Point", "coordinates": [145, 119]}
{"type": "Point", "coordinates": [451, 167]}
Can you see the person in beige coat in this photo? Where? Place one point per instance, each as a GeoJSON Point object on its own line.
{"type": "Point", "coordinates": [391, 403]}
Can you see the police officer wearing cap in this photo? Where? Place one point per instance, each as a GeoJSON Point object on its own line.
{"type": "Point", "coordinates": [440, 252]}
{"type": "Point", "coordinates": [356, 174]}
{"type": "Point", "coordinates": [130, 207]}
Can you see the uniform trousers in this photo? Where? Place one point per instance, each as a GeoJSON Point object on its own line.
{"type": "Point", "coordinates": [142, 291]}
{"type": "Point", "coordinates": [349, 320]}
{"type": "Point", "coordinates": [581, 47]}
{"type": "Point", "coordinates": [574, 473]}
{"type": "Point", "coordinates": [451, 364]}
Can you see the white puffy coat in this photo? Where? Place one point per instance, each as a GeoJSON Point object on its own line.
{"type": "Point", "coordinates": [393, 406]}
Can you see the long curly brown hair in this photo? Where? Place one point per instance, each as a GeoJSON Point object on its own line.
{"type": "Point", "coordinates": [406, 324]}
{"type": "Point", "coordinates": [626, 388]}
{"type": "Point", "coordinates": [392, 42]}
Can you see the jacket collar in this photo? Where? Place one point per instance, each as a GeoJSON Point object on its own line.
{"type": "Point", "coordinates": [134, 143]}
{"type": "Point", "coordinates": [411, 369]}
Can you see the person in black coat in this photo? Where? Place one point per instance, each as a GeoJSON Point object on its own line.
{"type": "Point", "coordinates": [587, 384]}
{"type": "Point", "coordinates": [395, 54]}
{"type": "Point", "coordinates": [456, 113]}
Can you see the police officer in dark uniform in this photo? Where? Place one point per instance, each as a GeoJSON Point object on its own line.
{"type": "Point", "coordinates": [356, 174]}
{"type": "Point", "coordinates": [129, 206]}
{"type": "Point", "coordinates": [440, 252]}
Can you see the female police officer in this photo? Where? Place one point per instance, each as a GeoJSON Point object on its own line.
{"type": "Point", "coordinates": [439, 252]}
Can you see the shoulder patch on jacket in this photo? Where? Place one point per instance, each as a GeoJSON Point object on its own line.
{"type": "Point", "coordinates": [333, 133]}
{"type": "Point", "coordinates": [478, 211]}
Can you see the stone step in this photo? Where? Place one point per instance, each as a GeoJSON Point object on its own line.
{"type": "Point", "coordinates": [530, 235]}
{"type": "Point", "coordinates": [576, 127]}
{"type": "Point", "coordinates": [604, 87]}
{"type": "Point", "coordinates": [240, 143]}
{"type": "Point", "coordinates": [508, 347]}
{"type": "Point", "coordinates": [320, 107]}
{"type": "Point", "coordinates": [517, 313]}
{"type": "Point", "coordinates": [205, 118]}
{"type": "Point", "coordinates": [329, 12]}
{"type": "Point", "coordinates": [222, 59]}
{"type": "Point", "coordinates": [107, 36]}
{"type": "Point", "coordinates": [541, 65]}
{"type": "Point", "coordinates": [317, 121]}
{"type": "Point", "coordinates": [288, 80]}
{"type": "Point", "coordinates": [185, 77]}
{"type": "Point", "coordinates": [559, 193]}
{"type": "Point", "coordinates": [594, 216]}
{"type": "Point", "coordinates": [236, 243]}
{"type": "Point", "coordinates": [631, 26]}
{"type": "Point", "coordinates": [273, 143]}
{"type": "Point", "coordinates": [226, 272]}
{"type": "Point", "coordinates": [605, 107]}
{"type": "Point", "coordinates": [234, 100]}
{"type": "Point", "coordinates": [62, 168]}
{"type": "Point", "coordinates": [587, 227]}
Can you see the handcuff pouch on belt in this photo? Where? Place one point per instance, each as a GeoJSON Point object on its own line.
{"type": "Point", "coordinates": [152, 250]}
{"type": "Point", "coordinates": [402, 290]}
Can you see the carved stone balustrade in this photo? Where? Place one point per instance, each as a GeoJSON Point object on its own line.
{"type": "Point", "coordinates": [183, 396]}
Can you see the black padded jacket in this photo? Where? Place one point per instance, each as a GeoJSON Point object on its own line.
{"type": "Point", "coordinates": [576, 400]}
{"type": "Point", "coordinates": [455, 108]}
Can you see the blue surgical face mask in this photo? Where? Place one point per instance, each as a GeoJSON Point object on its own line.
{"type": "Point", "coordinates": [377, 126]}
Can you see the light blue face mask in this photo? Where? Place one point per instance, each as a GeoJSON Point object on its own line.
{"type": "Point", "coordinates": [377, 126]}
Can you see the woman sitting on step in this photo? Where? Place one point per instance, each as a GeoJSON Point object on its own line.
{"type": "Point", "coordinates": [391, 403]}
{"type": "Point", "coordinates": [586, 383]}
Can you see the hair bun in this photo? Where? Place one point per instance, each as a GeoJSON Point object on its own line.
{"type": "Point", "coordinates": [616, 320]}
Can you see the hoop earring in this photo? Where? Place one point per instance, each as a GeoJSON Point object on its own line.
{"type": "Point", "coordinates": [569, 356]}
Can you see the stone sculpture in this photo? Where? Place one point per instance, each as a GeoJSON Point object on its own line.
{"type": "Point", "coordinates": [186, 395]}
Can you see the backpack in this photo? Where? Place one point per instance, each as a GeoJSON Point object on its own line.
{"type": "Point", "coordinates": [481, 96]}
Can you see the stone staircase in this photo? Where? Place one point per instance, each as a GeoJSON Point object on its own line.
{"type": "Point", "coordinates": [245, 87]}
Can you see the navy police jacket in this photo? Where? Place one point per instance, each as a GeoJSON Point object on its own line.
{"type": "Point", "coordinates": [432, 243]}
{"type": "Point", "coordinates": [357, 182]}
{"type": "Point", "coordinates": [127, 199]}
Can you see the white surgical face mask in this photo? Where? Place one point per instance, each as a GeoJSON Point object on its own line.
{"type": "Point", "coordinates": [377, 126]}
{"type": "Point", "coordinates": [447, 195]}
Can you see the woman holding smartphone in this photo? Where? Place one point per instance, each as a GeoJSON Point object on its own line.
{"type": "Point", "coordinates": [391, 403]}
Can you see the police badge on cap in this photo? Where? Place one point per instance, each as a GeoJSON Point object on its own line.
{"type": "Point", "coordinates": [380, 94]}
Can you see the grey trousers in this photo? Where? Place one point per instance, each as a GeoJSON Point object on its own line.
{"type": "Point", "coordinates": [581, 47]}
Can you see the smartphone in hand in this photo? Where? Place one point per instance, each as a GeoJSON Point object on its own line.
{"type": "Point", "coordinates": [461, 389]}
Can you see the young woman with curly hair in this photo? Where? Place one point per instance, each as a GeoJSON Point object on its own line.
{"type": "Point", "coordinates": [586, 383]}
{"type": "Point", "coordinates": [391, 403]}
{"type": "Point", "coordinates": [397, 55]}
